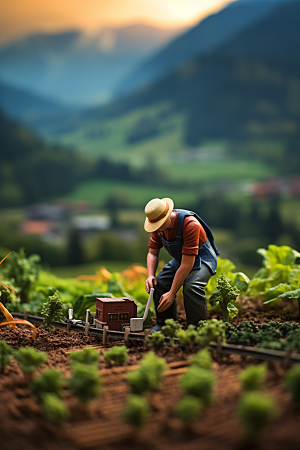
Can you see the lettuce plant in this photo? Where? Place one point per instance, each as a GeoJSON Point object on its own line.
{"type": "Point", "coordinates": [253, 378]}
{"type": "Point", "coordinates": [292, 383]}
{"type": "Point", "coordinates": [55, 410]}
{"type": "Point", "coordinates": [210, 331]}
{"type": "Point", "coordinates": [188, 337]}
{"type": "Point", "coordinates": [202, 359]}
{"type": "Point", "coordinates": [189, 409]}
{"type": "Point", "coordinates": [30, 359]}
{"type": "Point", "coordinates": [88, 355]}
{"type": "Point", "coordinates": [49, 382]}
{"type": "Point", "coordinates": [170, 329]}
{"type": "Point", "coordinates": [156, 340]}
{"type": "Point", "coordinates": [198, 382]}
{"type": "Point", "coordinates": [225, 295]}
{"type": "Point", "coordinates": [148, 376]}
{"type": "Point", "coordinates": [85, 382]}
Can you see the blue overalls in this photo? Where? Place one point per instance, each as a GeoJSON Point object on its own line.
{"type": "Point", "coordinates": [193, 288]}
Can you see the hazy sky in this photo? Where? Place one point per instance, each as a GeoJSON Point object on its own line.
{"type": "Point", "coordinates": [22, 17]}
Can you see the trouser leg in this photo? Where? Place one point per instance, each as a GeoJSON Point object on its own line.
{"type": "Point", "coordinates": [194, 295]}
{"type": "Point", "coordinates": [164, 282]}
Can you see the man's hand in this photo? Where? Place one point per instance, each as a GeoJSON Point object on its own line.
{"type": "Point", "coordinates": [150, 282]}
{"type": "Point", "coordinates": [165, 301]}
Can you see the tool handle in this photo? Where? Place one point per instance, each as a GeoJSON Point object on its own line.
{"type": "Point", "coordinates": [148, 304]}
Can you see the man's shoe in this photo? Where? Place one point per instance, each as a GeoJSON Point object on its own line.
{"type": "Point", "coordinates": [156, 328]}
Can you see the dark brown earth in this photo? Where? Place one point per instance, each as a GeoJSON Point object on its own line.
{"type": "Point", "coordinates": [22, 426]}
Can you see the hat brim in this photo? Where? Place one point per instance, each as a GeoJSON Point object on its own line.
{"type": "Point", "coordinates": [151, 227]}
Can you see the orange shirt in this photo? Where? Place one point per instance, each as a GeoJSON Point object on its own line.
{"type": "Point", "coordinates": [193, 235]}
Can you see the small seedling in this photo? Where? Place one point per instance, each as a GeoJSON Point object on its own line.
{"type": "Point", "coordinates": [292, 383]}
{"type": "Point", "coordinates": [136, 410]}
{"type": "Point", "coordinates": [52, 310]}
{"type": "Point", "coordinates": [170, 329]}
{"type": "Point", "coordinates": [210, 331]}
{"type": "Point", "coordinates": [156, 340]}
{"type": "Point", "coordinates": [49, 382]}
{"type": "Point", "coordinates": [188, 337]}
{"type": "Point", "coordinates": [189, 409]}
{"type": "Point", "coordinates": [55, 410]}
{"type": "Point", "coordinates": [85, 382]}
{"type": "Point", "coordinates": [88, 355]}
{"type": "Point", "coordinates": [226, 294]}
{"type": "Point", "coordinates": [149, 375]}
{"type": "Point", "coordinates": [255, 410]}
{"type": "Point", "coordinates": [253, 378]}
{"type": "Point", "coordinates": [117, 355]}
{"type": "Point", "coordinates": [30, 359]}
{"type": "Point", "coordinates": [6, 353]}
{"type": "Point", "coordinates": [202, 359]}
{"type": "Point", "coordinates": [199, 383]}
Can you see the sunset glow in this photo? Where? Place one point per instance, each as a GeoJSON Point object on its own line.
{"type": "Point", "coordinates": [23, 17]}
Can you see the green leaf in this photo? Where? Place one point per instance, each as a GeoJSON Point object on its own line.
{"type": "Point", "coordinates": [241, 281]}
{"type": "Point", "coordinates": [274, 292]}
{"type": "Point", "coordinates": [291, 294]}
{"type": "Point", "coordinates": [233, 311]}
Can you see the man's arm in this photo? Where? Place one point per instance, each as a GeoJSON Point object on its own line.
{"type": "Point", "coordinates": [152, 262]}
{"type": "Point", "coordinates": [166, 300]}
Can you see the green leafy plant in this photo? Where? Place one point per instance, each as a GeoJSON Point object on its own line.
{"type": "Point", "coordinates": [198, 382]}
{"type": "Point", "coordinates": [253, 378]}
{"type": "Point", "coordinates": [189, 409]}
{"type": "Point", "coordinates": [50, 381]}
{"type": "Point", "coordinates": [88, 355]}
{"type": "Point", "coordinates": [210, 331]}
{"type": "Point", "coordinates": [224, 296]}
{"type": "Point", "coordinates": [30, 359]}
{"type": "Point", "coordinates": [85, 382]}
{"type": "Point", "coordinates": [156, 340]}
{"type": "Point", "coordinates": [136, 411]}
{"type": "Point", "coordinates": [202, 359]}
{"type": "Point", "coordinates": [255, 410]}
{"type": "Point", "coordinates": [170, 329]}
{"type": "Point", "coordinates": [6, 353]}
{"type": "Point", "coordinates": [52, 310]}
{"type": "Point", "coordinates": [117, 355]}
{"type": "Point", "coordinates": [23, 272]}
{"type": "Point", "coordinates": [149, 375]}
{"type": "Point", "coordinates": [292, 383]}
{"type": "Point", "coordinates": [55, 410]}
{"type": "Point", "coordinates": [188, 337]}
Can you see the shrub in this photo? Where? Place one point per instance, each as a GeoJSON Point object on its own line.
{"type": "Point", "coordinates": [170, 329]}
{"type": "Point", "coordinates": [255, 410]}
{"type": "Point", "coordinates": [292, 382]}
{"type": "Point", "coordinates": [52, 310]}
{"type": "Point", "coordinates": [202, 359]}
{"type": "Point", "coordinates": [136, 410]}
{"type": "Point", "coordinates": [117, 354]}
{"type": "Point", "coordinates": [88, 355]}
{"type": "Point", "coordinates": [6, 353]}
{"type": "Point", "coordinates": [55, 410]}
{"type": "Point", "coordinates": [199, 383]}
{"type": "Point", "coordinates": [49, 382]}
{"type": "Point", "coordinates": [253, 377]}
{"type": "Point", "coordinates": [30, 359]}
{"type": "Point", "coordinates": [189, 409]}
{"type": "Point", "coordinates": [156, 340]}
{"type": "Point", "coordinates": [85, 382]}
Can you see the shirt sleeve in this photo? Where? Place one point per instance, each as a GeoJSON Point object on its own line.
{"type": "Point", "coordinates": [155, 241]}
{"type": "Point", "coordinates": [193, 235]}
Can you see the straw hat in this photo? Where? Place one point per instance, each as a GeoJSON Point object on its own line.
{"type": "Point", "coordinates": [157, 211]}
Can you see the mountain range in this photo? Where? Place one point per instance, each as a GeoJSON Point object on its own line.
{"type": "Point", "coordinates": [76, 67]}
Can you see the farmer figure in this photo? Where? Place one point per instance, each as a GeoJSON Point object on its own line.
{"type": "Point", "coordinates": [190, 242]}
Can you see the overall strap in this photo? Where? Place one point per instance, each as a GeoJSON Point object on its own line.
{"type": "Point", "coordinates": [180, 219]}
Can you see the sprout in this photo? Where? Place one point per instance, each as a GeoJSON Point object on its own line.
{"type": "Point", "coordinates": [199, 383]}
{"type": "Point", "coordinates": [189, 409]}
{"type": "Point", "coordinates": [202, 359]}
{"type": "Point", "coordinates": [55, 410]}
{"type": "Point", "coordinates": [170, 328]}
{"type": "Point", "coordinates": [5, 355]}
{"type": "Point", "coordinates": [117, 354]}
{"type": "Point", "coordinates": [88, 355]}
{"type": "Point", "coordinates": [49, 382]}
{"type": "Point", "coordinates": [30, 359]}
{"type": "Point", "coordinates": [136, 410]}
{"type": "Point", "coordinates": [156, 340]}
{"type": "Point", "coordinates": [52, 310]}
{"type": "Point", "coordinates": [255, 410]}
{"type": "Point", "coordinates": [253, 377]}
{"type": "Point", "coordinates": [85, 382]}
{"type": "Point", "coordinates": [292, 383]}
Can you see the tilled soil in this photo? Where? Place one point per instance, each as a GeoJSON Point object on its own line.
{"type": "Point", "coordinates": [100, 425]}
